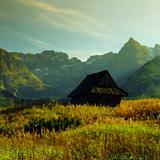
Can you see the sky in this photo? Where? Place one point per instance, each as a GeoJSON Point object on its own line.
{"type": "Point", "coordinates": [80, 28]}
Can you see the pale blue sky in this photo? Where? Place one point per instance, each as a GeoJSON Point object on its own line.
{"type": "Point", "coordinates": [79, 27]}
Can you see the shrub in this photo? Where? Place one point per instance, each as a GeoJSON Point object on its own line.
{"type": "Point", "coordinates": [38, 125]}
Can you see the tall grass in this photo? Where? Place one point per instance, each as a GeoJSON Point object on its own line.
{"type": "Point", "coordinates": [130, 131]}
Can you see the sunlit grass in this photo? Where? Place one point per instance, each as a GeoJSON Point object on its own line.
{"type": "Point", "coordinates": [130, 131]}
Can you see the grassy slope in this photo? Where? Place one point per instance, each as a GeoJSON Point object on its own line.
{"type": "Point", "coordinates": [130, 131]}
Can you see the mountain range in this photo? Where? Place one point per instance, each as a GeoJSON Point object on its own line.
{"type": "Point", "coordinates": [53, 74]}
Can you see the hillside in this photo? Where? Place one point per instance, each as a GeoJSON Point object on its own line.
{"type": "Point", "coordinates": [55, 132]}
{"type": "Point", "coordinates": [130, 58]}
{"type": "Point", "coordinates": [46, 64]}
{"type": "Point", "coordinates": [15, 77]}
{"type": "Point", "coordinates": [6, 94]}
{"type": "Point", "coordinates": [145, 82]}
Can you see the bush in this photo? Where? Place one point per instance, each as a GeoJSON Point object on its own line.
{"type": "Point", "coordinates": [38, 125]}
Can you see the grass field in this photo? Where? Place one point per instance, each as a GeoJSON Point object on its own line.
{"type": "Point", "coordinates": [54, 132]}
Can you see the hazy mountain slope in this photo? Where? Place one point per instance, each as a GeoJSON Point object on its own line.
{"type": "Point", "coordinates": [47, 65]}
{"type": "Point", "coordinates": [15, 76]}
{"type": "Point", "coordinates": [6, 94]}
{"type": "Point", "coordinates": [145, 81]}
{"type": "Point", "coordinates": [100, 60]}
{"type": "Point", "coordinates": [130, 58]}
{"type": "Point", "coordinates": [57, 70]}
{"type": "Point", "coordinates": [156, 50]}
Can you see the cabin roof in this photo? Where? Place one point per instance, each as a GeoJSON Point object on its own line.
{"type": "Point", "coordinates": [98, 83]}
{"type": "Point", "coordinates": [110, 91]}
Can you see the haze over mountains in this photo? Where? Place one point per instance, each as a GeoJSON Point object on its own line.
{"type": "Point", "coordinates": [53, 74]}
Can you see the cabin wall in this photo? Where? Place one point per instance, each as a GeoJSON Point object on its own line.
{"type": "Point", "coordinates": [98, 99]}
{"type": "Point", "coordinates": [79, 100]}
{"type": "Point", "coordinates": [102, 99]}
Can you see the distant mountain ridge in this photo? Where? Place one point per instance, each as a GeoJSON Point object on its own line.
{"type": "Point", "coordinates": [55, 74]}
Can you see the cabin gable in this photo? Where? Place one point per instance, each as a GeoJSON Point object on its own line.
{"type": "Point", "coordinates": [99, 89]}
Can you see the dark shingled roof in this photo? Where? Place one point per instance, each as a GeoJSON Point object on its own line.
{"type": "Point", "coordinates": [100, 82]}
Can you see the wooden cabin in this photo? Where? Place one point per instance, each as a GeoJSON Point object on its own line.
{"type": "Point", "coordinates": [97, 89]}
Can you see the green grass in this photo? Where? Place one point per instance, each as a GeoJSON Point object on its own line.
{"type": "Point", "coordinates": [130, 131]}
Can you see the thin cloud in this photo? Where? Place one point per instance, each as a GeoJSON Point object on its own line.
{"type": "Point", "coordinates": [68, 18]}
{"type": "Point", "coordinates": [27, 38]}
{"type": "Point", "coordinates": [48, 7]}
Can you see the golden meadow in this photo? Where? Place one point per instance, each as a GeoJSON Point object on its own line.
{"type": "Point", "coordinates": [54, 132]}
